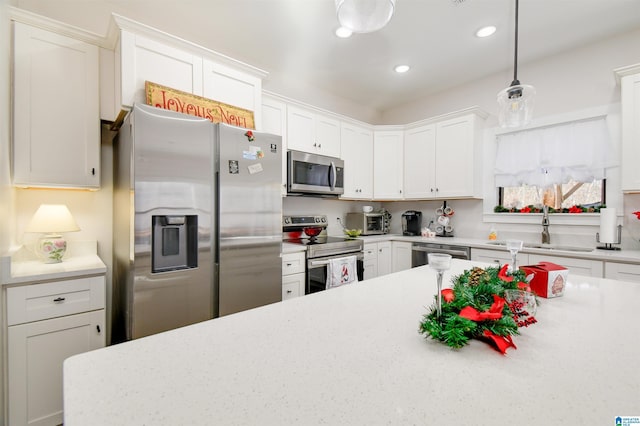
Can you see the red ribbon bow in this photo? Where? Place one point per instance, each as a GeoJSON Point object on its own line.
{"type": "Point", "coordinates": [502, 343]}
{"type": "Point", "coordinates": [494, 312]}
{"type": "Point", "coordinates": [447, 295]}
{"type": "Point", "coordinates": [637, 214]}
{"type": "Point", "coordinates": [502, 274]}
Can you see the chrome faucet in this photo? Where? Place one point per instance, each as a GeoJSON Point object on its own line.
{"type": "Point", "coordinates": [546, 238]}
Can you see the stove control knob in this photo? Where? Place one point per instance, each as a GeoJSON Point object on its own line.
{"type": "Point", "coordinates": [324, 220]}
{"type": "Point", "coordinates": [287, 220]}
{"type": "Point", "coordinates": [317, 220]}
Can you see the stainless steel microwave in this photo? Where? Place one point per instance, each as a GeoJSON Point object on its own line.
{"type": "Point", "coordinates": [313, 174]}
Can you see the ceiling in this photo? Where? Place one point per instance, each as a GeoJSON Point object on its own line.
{"type": "Point", "coordinates": [295, 38]}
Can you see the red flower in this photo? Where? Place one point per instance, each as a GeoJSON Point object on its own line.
{"type": "Point", "coordinates": [525, 210]}
{"type": "Point", "coordinates": [447, 295]}
{"type": "Point", "coordinates": [637, 214]}
{"type": "Point", "coordinates": [575, 209]}
{"type": "Point", "coordinates": [503, 274]}
{"type": "Point", "coordinates": [249, 135]}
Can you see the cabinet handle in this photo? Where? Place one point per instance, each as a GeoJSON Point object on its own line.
{"type": "Point", "coordinates": [497, 261]}
{"type": "Point", "coordinates": [319, 145]}
{"type": "Point", "coordinates": [59, 299]}
{"type": "Point", "coordinates": [289, 291]}
{"type": "Point", "coordinates": [401, 191]}
{"type": "Point", "coordinates": [289, 264]}
{"type": "Point", "coordinates": [315, 144]}
{"type": "Point", "coordinates": [98, 328]}
{"type": "Point", "coordinates": [93, 171]}
{"type": "Point", "coordinates": [431, 189]}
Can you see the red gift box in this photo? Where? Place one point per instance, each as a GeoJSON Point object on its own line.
{"type": "Point", "coordinates": [548, 280]}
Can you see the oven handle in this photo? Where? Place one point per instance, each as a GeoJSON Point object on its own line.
{"type": "Point", "coordinates": [316, 263]}
{"type": "Point", "coordinates": [332, 176]}
{"type": "Point", "coordinates": [458, 254]}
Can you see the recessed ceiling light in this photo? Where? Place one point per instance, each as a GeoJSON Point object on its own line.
{"type": "Point", "coordinates": [401, 68]}
{"type": "Point", "coordinates": [486, 31]}
{"type": "Point", "coordinates": [343, 32]}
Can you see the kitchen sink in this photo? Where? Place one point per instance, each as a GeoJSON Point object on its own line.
{"type": "Point", "coordinates": [546, 246]}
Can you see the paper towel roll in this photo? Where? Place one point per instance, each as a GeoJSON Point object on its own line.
{"type": "Point", "coordinates": [608, 231]}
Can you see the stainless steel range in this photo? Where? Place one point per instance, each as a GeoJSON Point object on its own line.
{"type": "Point", "coordinates": [311, 231]}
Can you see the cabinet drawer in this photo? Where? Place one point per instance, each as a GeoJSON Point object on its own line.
{"type": "Point", "coordinates": [293, 263]}
{"type": "Point", "coordinates": [293, 286]}
{"type": "Point", "coordinates": [49, 300]}
{"type": "Point", "coordinates": [370, 251]}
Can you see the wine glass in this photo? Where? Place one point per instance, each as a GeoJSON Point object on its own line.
{"type": "Point", "coordinates": [514, 246]}
{"type": "Point", "coordinates": [440, 262]}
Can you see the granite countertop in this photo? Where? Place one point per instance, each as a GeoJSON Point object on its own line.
{"type": "Point", "coordinates": [625, 256]}
{"type": "Point", "coordinates": [23, 267]}
{"type": "Point", "coordinates": [353, 355]}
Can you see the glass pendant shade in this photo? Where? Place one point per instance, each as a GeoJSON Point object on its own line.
{"type": "Point", "coordinates": [364, 16]}
{"type": "Point", "coordinates": [515, 105]}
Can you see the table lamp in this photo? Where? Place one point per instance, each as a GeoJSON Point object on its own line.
{"type": "Point", "coordinates": [52, 220]}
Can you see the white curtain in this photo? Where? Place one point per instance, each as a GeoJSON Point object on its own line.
{"type": "Point", "coordinates": [579, 150]}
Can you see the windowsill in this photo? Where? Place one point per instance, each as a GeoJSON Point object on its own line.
{"type": "Point", "coordinates": [570, 219]}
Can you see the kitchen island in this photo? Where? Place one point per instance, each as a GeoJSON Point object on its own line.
{"type": "Point", "coordinates": [353, 355]}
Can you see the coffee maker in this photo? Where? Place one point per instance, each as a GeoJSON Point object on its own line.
{"type": "Point", "coordinates": [411, 222]}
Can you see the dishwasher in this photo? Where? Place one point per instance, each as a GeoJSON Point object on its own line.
{"type": "Point", "coordinates": [419, 252]}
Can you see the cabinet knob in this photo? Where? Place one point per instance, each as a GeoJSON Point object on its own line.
{"type": "Point", "coordinates": [289, 264]}
{"type": "Point", "coordinates": [319, 145]}
{"type": "Point", "coordinates": [98, 328]}
{"type": "Point", "coordinates": [93, 171]}
{"type": "Point", "coordinates": [289, 291]}
{"type": "Point", "coordinates": [431, 189]}
{"type": "Point", "coordinates": [59, 299]}
{"type": "Point", "coordinates": [497, 261]}
{"type": "Point", "coordinates": [401, 191]}
{"type": "Point", "coordinates": [315, 144]}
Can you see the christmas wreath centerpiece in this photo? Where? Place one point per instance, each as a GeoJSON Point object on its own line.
{"type": "Point", "coordinates": [476, 308]}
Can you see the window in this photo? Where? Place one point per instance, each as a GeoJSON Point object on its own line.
{"type": "Point", "coordinates": [584, 194]}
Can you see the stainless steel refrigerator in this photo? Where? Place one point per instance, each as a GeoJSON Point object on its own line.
{"type": "Point", "coordinates": [197, 221]}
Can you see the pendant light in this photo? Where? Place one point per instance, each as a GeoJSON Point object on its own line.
{"type": "Point", "coordinates": [364, 16]}
{"type": "Point", "coordinates": [515, 103]}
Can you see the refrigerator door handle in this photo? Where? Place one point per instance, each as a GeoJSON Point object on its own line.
{"type": "Point", "coordinates": [332, 176]}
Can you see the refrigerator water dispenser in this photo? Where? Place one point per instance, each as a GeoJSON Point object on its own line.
{"type": "Point", "coordinates": [174, 243]}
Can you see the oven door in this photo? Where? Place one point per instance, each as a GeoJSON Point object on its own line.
{"type": "Point", "coordinates": [317, 271]}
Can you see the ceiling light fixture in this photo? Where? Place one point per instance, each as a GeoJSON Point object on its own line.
{"type": "Point", "coordinates": [486, 31]}
{"type": "Point", "coordinates": [343, 32]}
{"type": "Point", "coordinates": [364, 16]}
{"type": "Point", "coordinates": [515, 103]}
{"type": "Point", "coordinates": [401, 68]}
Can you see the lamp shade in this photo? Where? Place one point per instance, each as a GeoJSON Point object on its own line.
{"type": "Point", "coordinates": [364, 16]}
{"type": "Point", "coordinates": [50, 218]}
{"type": "Point", "coordinates": [515, 105]}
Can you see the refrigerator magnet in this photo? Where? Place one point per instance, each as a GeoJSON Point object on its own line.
{"type": "Point", "coordinates": [234, 167]}
{"type": "Point", "coordinates": [274, 148]}
{"type": "Point", "coordinates": [248, 155]}
{"type": "Point", "coordinates": [255, 168]}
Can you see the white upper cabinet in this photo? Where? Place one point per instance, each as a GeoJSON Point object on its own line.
{"type": "Point", "coordinates": [387, 163]}
{"type": "Point", "coordinates": [312, 132]}
{"type": "Point", "coordinates": [356, 148]}
{"type": "Point", "coordinates": [145, 54]}
{"type": "Point", "coordinates": [274, 121]}
{"type": "Point", "coordinates": [442, 160]}
{"type": "Point", "coordinates": [630, 99]}
{"type": "Point", "coordinates": [56, 121]}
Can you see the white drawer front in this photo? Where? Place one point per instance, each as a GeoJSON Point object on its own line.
{"type": "Point", "coordinates": [49, 300]}
{"type": "Point", "coordinates": [293, 263]}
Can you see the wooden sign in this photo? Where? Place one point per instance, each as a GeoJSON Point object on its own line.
{"type": "Point", "coordinates": [186, 103]}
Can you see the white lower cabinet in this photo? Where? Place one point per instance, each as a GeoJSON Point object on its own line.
{"type": "Point", "coordinates": [293, 275]}
{"type": "Point", "coordinates": [499, 257]}
{"type": "Point", "coordinates": [401, 255]}
{"type": "Point", "coordinates": [47, 323]}
{"type": "Point", "coordinates": [377, 259]}
{"type": "Point", "coordinates": [584, 267]}
{"type": "Point", "coordinates": [622, 271]}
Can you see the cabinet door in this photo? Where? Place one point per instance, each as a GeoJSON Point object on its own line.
{"type": "Point", "coordinates": [356, 148]}
{"type": "Point", "coordinates": [384, 258]}
{"type": "Point", "coordinates": [274, 121]}
{"type": "Point", "coordinates": [224, 84]}
{"type": "Point", "coordinates": [300, 132]}
{"type": "Point", "coordinates": [454, 156]}
{"type": "Point", "coordinates": [293, 286]}
{"type": "Point", "coordinates": [499, 257]}
{"type": "Point", "coordinates": [36, 352]}
{"type": "Point", "coordinates": [420, 163]}
{"type": "Point", "coordinates": [630, 100]}
{"type": "Point", "coordinates": [622, 271]}
{"type": "Point", "coordinates": [401, 255]}
{"type": "Point", "coordinates": [588, 268]}
{"type": "Point", "coordinates": [56, 117]}
{"type": "Point", "coordinates": [387, 163]}
{"type": "Point", "coordinates": [370, 260]}
{"type": "Point", "coordinates": [145, 59]}
{"type": "Point", "coordinates": [327, 135]}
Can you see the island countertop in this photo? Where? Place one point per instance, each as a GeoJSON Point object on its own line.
{"type": "Point", "coordinates": [353, 355]}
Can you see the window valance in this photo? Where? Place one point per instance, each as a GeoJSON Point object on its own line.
{"type": "Point", "coordinates": [578, 150]}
